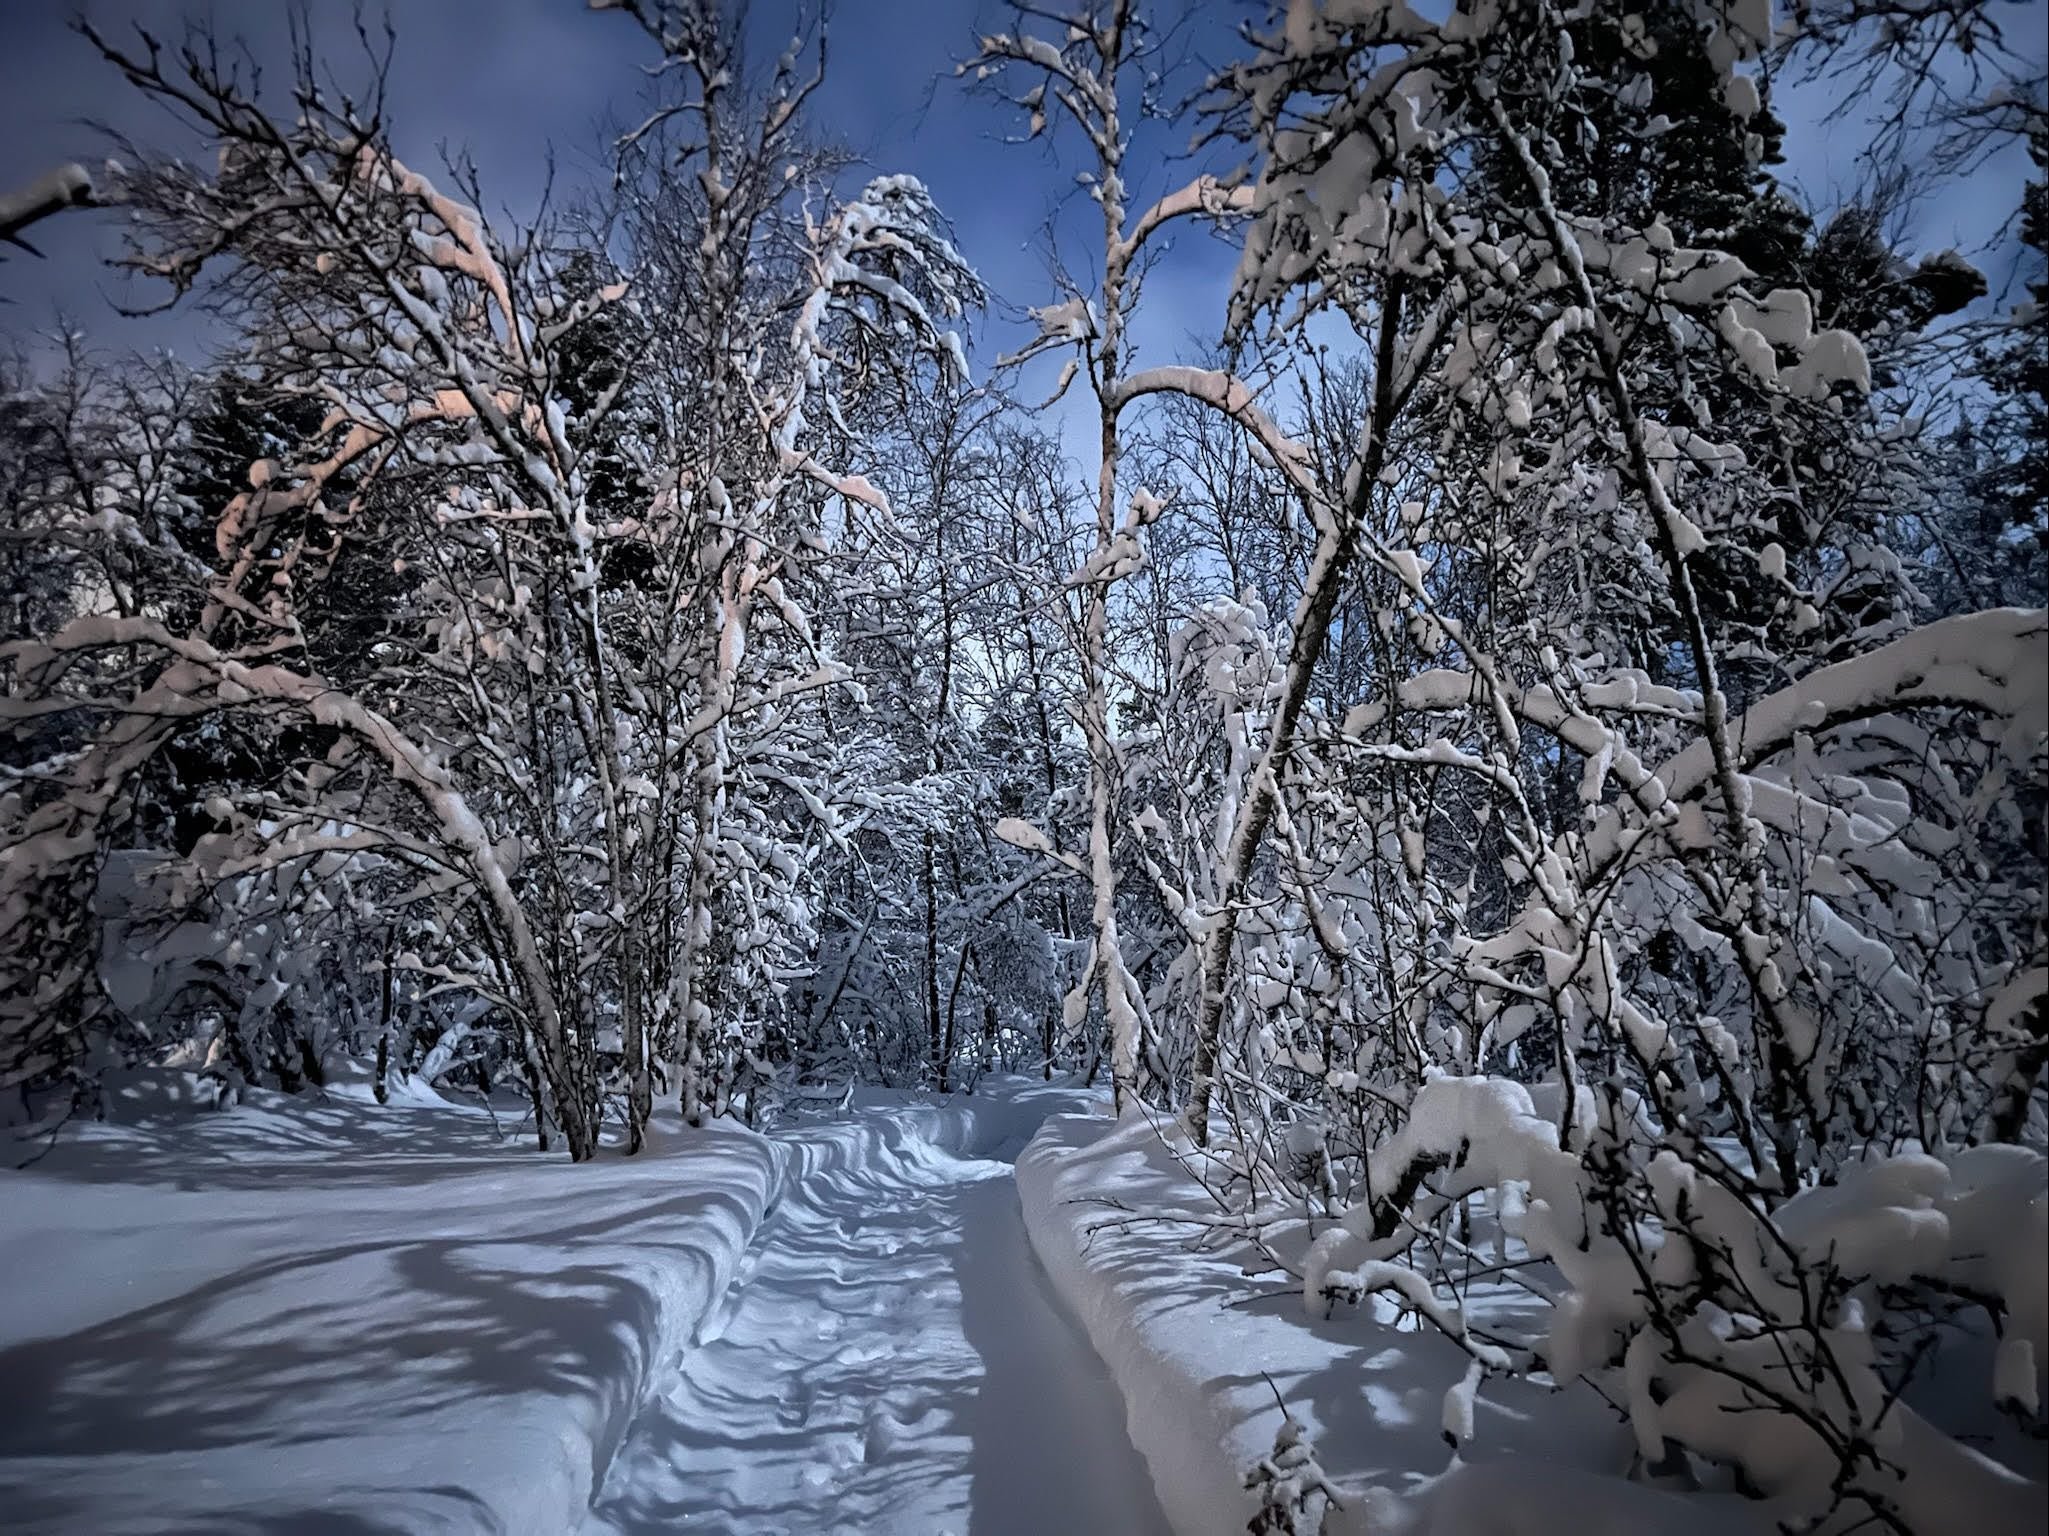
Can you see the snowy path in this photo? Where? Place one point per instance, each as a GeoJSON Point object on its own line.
{"type": "Point", "coordinates": [891, 1361]}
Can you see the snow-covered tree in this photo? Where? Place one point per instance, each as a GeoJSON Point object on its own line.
{"type": "Point", "coordinates": [571, 718]}
{"type": "Point", "coordinates": [1688, 947]}
{"type": "Point", "coordinates": [1092, 70]}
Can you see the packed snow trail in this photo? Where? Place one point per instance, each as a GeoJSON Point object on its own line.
{"type": "Point", "coordinates": [890, 1358]}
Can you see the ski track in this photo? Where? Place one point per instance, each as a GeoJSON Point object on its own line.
{"type": "Point", "coordinates": [890, 1359]}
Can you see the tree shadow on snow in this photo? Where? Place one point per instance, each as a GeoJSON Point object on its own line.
{"type": "Point", "coordinates": [326, 1143]}
{"type": "Point", "coordinates": [325, 1377]}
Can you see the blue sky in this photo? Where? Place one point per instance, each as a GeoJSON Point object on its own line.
{"type": "Point", "coordinates": [509, 79]}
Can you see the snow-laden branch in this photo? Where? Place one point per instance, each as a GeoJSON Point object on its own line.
{"type": "Point", "coordinates": [1987, 662]}
{"type": "Point", "coordinates": [1235, 399]}
{"type": "Point", "coordinates": [68, 186]}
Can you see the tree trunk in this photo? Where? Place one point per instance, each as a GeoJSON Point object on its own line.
{"type": "Point", "coordinates": [381, 1084]}
{"type": "Point", "coordinates": [934, 1045]}
{"type": "Point", "coordinates": [1334, 556]}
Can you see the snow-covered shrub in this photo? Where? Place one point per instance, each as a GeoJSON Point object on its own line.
{"type": "Point", "coordinates": [1294, 1495]}
{"type": "Point", "coordinates": [1656, 899]}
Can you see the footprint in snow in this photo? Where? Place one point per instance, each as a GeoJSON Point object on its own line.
{"type": "Point", "coordinates": [794, 1411]}
{"type": "Point", "coordinates": [884, 1431]}
{"type": "Point", "coordinates": [843, 1451]}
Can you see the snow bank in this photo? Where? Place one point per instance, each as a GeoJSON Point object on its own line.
{"type": "Point", "coordinates": [1189, 1341]}
{"type": "Point", "coordinates": [298, 1316]}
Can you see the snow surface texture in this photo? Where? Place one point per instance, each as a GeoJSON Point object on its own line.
{"type": "Point", "coordinates": [290, 1316]}
{"type": "Point", "coordinates": [892, 1361]}
{"type": "Point", "coordinates": [1190, 1339]}
{"type": "Point", "coordinates": [343, 1318]}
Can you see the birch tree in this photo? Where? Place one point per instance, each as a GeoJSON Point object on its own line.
{"type": "Point", "coordinates": [542, 757]}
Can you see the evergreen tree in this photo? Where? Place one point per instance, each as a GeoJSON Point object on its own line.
{"type": "Point", "coordinates": [2011, 489]}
